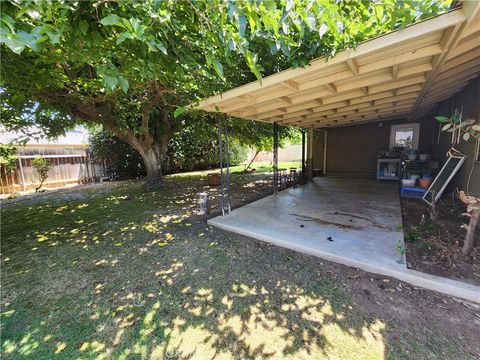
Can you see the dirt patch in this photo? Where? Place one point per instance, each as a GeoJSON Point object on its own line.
{"type": "Point", "coordinates": [435, 247]}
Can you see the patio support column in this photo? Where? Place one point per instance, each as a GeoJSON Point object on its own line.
{"type": "Point", "coordinates": [304, 170]}
{"type": "Point", "coordinates": [225, 206]}
{"type": "Point", "coordinates": [310, 152]}
{"type": "Point", "coordinates": [275, 157]}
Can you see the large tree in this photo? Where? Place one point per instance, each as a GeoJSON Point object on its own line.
{"type": "Point", "coordinates": [130, 65]}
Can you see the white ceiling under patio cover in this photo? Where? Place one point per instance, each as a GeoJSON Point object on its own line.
{"type": "Point", "coordinates": [397, 75]}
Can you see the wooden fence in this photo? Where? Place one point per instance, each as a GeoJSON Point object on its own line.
{"type": "Point", "coordinates": [70, 165]}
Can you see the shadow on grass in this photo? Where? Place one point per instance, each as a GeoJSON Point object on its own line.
{"type": "Point", "coordinates": [132, 274]}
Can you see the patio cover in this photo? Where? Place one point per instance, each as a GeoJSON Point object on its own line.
{"type": "Point", "coordinates": [397, 75]}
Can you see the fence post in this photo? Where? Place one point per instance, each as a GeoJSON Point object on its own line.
{"type": "Point", "coordinates": [22, 175]}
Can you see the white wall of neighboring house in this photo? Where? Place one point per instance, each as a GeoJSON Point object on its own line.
{"type": "Point", "coordinates": [77, 136]}
{"type": "Point", "coordinates": [289, 153]}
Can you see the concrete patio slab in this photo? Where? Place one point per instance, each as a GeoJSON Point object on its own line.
{"type": "Point", "coordinates": [355, 222]}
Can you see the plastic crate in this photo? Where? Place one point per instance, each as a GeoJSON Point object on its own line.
{"type": "Point", "coordinates": [412, 192]}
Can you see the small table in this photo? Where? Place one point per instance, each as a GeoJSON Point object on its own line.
{"type": "Point", "coordinates": [388, 168]}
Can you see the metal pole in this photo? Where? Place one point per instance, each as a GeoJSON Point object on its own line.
{"type": "Point", "coordinates": [229, 207]}
{"type": "Point", "coordinates": [325, 142]}
{"type": "Point", "coordinates": [303, 156]}
{"type": "Point", "coordinates": [310, 150]}
{"type": "Point", "coordinates": [22, 175]}
{"type": "Point", "coordinates": [220, 145]}
{"type": "Point", "coordinates": [275, 157]}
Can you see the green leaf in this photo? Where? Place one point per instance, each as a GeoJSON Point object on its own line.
{"type": "Point", "coordinates": [456, 117]}
{"type": "Point", "coordinates": [112, 20]}
{"type": "Point", "coordinates": [83, 26]}
{"type": "Point", "coordinates": [96, 37]}
{"type": "Point", "coordinates": [28, 39]}
{"type": "Point", "coordinates": [446, 127]}
{"type": "Point", "coordinates": [54, 36]}
{"type": "Point", "coordinates": [14, 45]}
{"type": "Point", "coordinates": [466, 136]}
{"type": "Point", "coordinates": [110, 82]}
{"type": "Point", "coordinates": [253, 66]}
{"type": "Point", "coordinates": [123, 36]}
{"type": "Point", "coordinates": [161, 47]}
{"type": "Point", "coordinates": [242, 25]}
{"type": "Point", "coordinates": [136, 27]}
{"type": "Point", "coordinates": [7, 20]}
{"type": "Point", "coordinates": [124, 85]}
{"type": "Point", "coordinates": [441, 118]}
{"type": "Point", "coordinates": [178, 111]}
{"type": "Point", "coordinates": [218, 68]}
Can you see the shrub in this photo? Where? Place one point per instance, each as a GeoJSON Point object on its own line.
{"type": "Point", "coordinates": [42, 166]}
{"type": "Point", "coordinates": [8, 158]}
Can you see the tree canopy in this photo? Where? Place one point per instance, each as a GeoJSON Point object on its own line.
{"type": "Point", "coordinates": [131, 66]}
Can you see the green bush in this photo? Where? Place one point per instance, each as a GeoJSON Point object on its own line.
{"type": "Point", "coordinates": [194, 147]}
{"type": "Point", "coordinates": [8, 158]}
{"type": "Point", "coordinates": [121, 159]}
{"type": "Point", "coordinates": [43, 166]}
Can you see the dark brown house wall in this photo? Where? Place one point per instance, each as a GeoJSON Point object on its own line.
{"type": "Point", "coordinates": [352, 150]}
{"type": "Point", "coordinates": [469, 100]}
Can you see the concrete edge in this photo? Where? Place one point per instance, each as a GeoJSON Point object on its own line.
{"type": "Point", "coordinates": [439, 284]}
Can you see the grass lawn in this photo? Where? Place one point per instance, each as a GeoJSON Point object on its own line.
{"type": "Point", "coordinates": [259, 166]}
{"type": "Point", "coordinates": [113, 271]}
{"type": "Point", "coordinates": [264, 166]}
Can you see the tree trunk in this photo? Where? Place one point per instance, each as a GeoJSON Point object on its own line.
{"type": "Point", "coordinates": [153, 159]}
{"type": "Point", "coordinates": [151, 146]}
{"type": "Point", "coordinates": [253, 159]}
{"type": "Point", "coordinates": [468, 244]}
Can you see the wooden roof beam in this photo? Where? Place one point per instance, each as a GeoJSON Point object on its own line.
{"type": "Point", "coordinates": [397, 84]}
{"type": "Point", "coordinates": [352, 64]}
{"type": "Point", "coordinates": [285, 99]}
{"type": "Point", "coordinates": [425, 52]}
{"type": "Point", "coordinates": [291, 84]}
{"type": "Point", "coordinates": [360, 82]}
{"type": "Point", "coordinates": [395, 72]}
{"type": "Point", "coordinates": [413, 70]}
{"type": "Point", "coordinates": [332, 87]}
{"type": "Point", "coordinates": [248, 98]}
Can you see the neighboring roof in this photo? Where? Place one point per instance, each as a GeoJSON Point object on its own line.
{"type": "Point", "coordinates": [75, 137]}
{"type": "Point", "coordinates": [388, 77]}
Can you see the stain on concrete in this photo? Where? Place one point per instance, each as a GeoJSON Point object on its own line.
{"type": "Point", "coordinates": [326, 222]}
{"type": "Point", "coordinates": [351, 215]}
